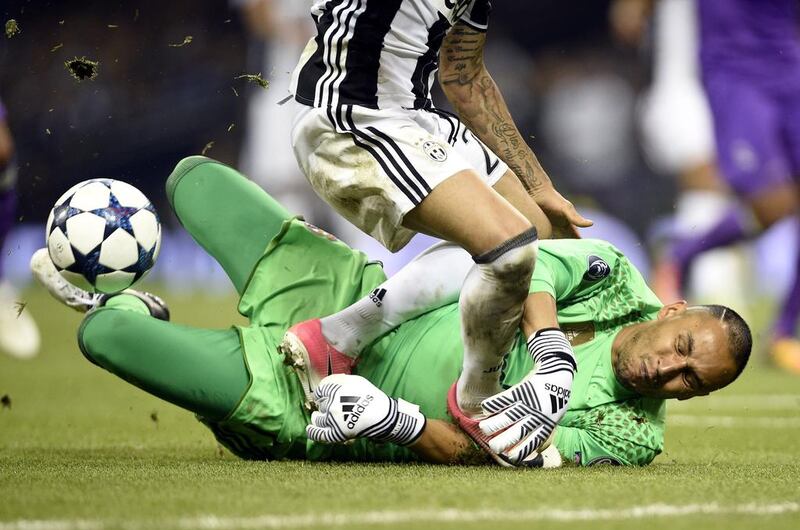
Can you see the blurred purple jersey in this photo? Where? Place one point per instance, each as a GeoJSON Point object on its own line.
{"type": "Point", "coordinates": [750, 59]}
{"type": "Point", "coordinates": [751, 37]}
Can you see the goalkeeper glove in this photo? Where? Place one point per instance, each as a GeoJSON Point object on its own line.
{"type": "Point", "coordinates": [472, 428]}
{"type": "Point", "coordinates": [351, 407]}
{"type": "Point", "coordinates": [525, 415]}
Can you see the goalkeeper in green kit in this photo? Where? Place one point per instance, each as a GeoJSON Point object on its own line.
{"type": "Point", "coordinates": [585, 380]}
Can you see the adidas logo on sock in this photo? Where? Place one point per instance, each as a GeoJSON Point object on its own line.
{"type": "Point", "coordinates": [494, 369]}
{"type": "Point", "coordinates": [377, 296]}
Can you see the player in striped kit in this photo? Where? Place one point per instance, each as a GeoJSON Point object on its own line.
{"type": "Point", "coordinates": [372, 144]}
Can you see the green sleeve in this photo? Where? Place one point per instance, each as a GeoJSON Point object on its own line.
{"type": "Point", "coordinates": [629, 433]}
{"type": "Point", "coordinates": [569, 269]}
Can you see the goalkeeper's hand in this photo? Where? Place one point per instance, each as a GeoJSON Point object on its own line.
{"type": "Point", "coordinates": [471, 427]}
{"type": "Point", "coordinates": [522, 418]}
{"type": "Point", "coordinates": [351, 407]}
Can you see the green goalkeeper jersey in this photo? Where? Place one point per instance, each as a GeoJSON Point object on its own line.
{"type": "Point", "coordinates": [305, 273]}
{"type": "Point", "coordinates": [597, 291]}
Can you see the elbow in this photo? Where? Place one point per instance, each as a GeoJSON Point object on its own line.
{"type": "Point", "coordinates": [459, 85]}
{"type": "Point", "coordinates": [648, 457]}
{"type": "Point", "coordinates": [458, 95]}
{"type": "Point", "coordinates": [644, 456]}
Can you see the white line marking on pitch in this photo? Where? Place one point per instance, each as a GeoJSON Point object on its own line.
{"type": "Point", "coordinates": [741, 402]}
{"type": "Point", "coordinates": [687, 420]}
{"type": "Point", "coordinates": [450, 515]}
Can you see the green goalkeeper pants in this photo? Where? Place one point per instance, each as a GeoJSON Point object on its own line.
{"type": "Point", "coordinates": [201, 370]}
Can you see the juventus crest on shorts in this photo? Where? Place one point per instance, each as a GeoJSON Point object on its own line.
{"type": "Point", "coordinates": [379, 53]}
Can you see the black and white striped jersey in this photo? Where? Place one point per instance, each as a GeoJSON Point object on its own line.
{"type": "Point", "coordinates": [379, 53]}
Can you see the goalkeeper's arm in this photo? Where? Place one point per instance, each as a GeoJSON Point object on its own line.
{"type": "Point", "coordinates": [351, 407]}
{"type": "Point", "coordinates": [442, 442]}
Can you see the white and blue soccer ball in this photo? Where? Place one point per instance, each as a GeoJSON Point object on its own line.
{"type": "Point", "coordinates": [103, 235]}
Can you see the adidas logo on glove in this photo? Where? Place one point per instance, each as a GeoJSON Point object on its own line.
{"type": "Point", "coordinates": [559, 396]}
{"type": "Point", "coordinates": [353, 407]}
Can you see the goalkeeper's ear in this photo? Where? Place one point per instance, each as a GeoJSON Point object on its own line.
{"type": "Point", "coordinates": [690, 397]}
{"type": "Point", "coordinates": [674, 308]}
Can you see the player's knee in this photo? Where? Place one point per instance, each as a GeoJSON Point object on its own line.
{"type": "Point", "coordinates": [94, 334]}
{"type": "Point", "coordinates": [181, 170]}
{"type": "Point", "coordinates": [513, 260]}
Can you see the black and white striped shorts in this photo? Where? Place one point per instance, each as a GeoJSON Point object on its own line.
{"type": "Point", "coordinates": [374, 166]}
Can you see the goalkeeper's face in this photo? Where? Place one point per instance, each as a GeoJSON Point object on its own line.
{"type": "Point", "coordinates": [682, 354]}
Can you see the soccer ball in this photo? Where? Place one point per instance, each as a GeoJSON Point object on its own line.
{"type": "Point", "coordinates": [103, 235]}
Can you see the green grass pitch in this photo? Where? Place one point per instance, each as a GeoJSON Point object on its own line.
{"type": "Point", "coordinates": [80, 449]}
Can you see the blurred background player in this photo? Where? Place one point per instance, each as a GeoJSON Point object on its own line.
{"type": "Point", "coordinates": [750, 60]}
{"type": "Point", "coordinates": [278, 30]}
{"type": "Point", "coordinates": [677, 139]}
{"type": "Point", "coordinates": [19, 336]}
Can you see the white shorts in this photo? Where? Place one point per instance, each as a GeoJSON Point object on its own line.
{"type": "Point", "coordinates": [374, 166]}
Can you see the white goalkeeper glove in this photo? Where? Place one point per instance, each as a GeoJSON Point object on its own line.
{"type": "Point", "coordinates": [351, 407]}
{"type": "Point", "coordinates": [546, 455]}
{"type": "Point", "coordinates": [526, 414]}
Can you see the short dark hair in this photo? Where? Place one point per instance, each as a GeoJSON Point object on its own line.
{"type": "Point", "coordinates": [740, 339]}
